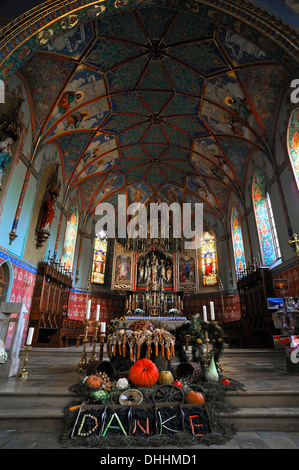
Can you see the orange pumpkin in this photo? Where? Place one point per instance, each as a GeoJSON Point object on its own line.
{"type": "Point", "coordinates": [194, 397]}
{"type": "Point", "coordinates": [93, 381]}
{"type": "Point", "coordinates": [144, 373]}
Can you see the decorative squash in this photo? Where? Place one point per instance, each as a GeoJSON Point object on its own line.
{"type": "Point", "coordinates": [144, 373]}
{"type": "Point", "coordinates": [165, 377]}
{"type": "Point", "coordinates": [93, 381]}
{"type": "Point", "coordinates": [194, 397]}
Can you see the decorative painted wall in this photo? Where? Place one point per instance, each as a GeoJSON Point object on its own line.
{"type": "Point", "coordinates": [21, 287]}
{"type": "Point", "coordinates": [232, 310]}
{"type": "Point", "coordinates": [111, 307]}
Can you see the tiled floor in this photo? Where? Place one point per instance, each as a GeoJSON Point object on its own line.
{"type": "Point", "coordinates": [54, 372]}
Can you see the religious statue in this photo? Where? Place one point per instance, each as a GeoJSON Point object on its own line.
{"type": "Point", "coordinates": [5, 157]}
{"type": "Point", "coordinates": [47, 211]}
{"type": "Point", "coordinates": [148, 270]}
{"type": "Point", "coordinates": [141, 271]}
{"type": "Point", "coordinates": [162, 271]}
{"type": "Point", "coordinates": [169, 273]}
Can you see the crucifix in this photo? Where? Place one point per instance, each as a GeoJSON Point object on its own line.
{"type": "Point", "coordinates": [295, 242]}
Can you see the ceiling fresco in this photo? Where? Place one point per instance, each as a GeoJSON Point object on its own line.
{"type": "Point", "coordinates": [152, 101]}
{"type": "Point", "coordinates": [286, 10]}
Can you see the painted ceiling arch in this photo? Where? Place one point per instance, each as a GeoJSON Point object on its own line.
{"type": "Point", "coordinates": [148, 99]}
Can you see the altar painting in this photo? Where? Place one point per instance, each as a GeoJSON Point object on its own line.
{"type": "Point", "coordinates": [187, 272]}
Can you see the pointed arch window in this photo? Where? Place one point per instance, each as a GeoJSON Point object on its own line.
{"type": "Point", "coordinates": [99, 259]}
{"type": "Point", "coordinates": [209, 260]}
{"type": "Point", "coordinates": [293, 143]}
{"type": "Point", "coordinates": [265, 220]}
{"type": "Point", "coordinates": [238, 241]}
{"type": "Point", "coordinates": [70, 237]}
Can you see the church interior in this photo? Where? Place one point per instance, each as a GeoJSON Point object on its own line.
{"type": "Point", "coordinates": [187, 105]}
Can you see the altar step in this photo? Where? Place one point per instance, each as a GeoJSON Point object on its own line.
{"type": "Point", "coordinates": [40, 402]}
{"type": "Point", "coordinates": [256, 410]}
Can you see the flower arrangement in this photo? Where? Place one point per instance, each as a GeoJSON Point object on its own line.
{"type": "Point", "coordinates": [3, 356]}
{"type": "Point", "coordinates": [138, 311]}
{"type": "Point", "coordinates": [173, 311]}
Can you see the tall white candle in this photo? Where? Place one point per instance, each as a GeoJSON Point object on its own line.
{"type": "Point", "coordinates": [29, 336]}
{"type": "Point", "coordinates": [103, 327]}
{"type": "Point", "coordinates": [212, 311]}
{"type": "Point", "coordinates": [98, 312]}
{"type": "Point", "coordinates": [88, 309]}
{"type": "Point", "coordinates": [205, 317]}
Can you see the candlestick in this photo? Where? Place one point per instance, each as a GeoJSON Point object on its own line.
{"type": "Point", "coordinates": [23, 373]}
{"type": "Point", "coordinates": [98, 313]}
{"type": "Point", "coordinates": [205, 317]}
{"type": "Point", "coordinates": [29, 336]}
{"type": "Point", "coordinates": [88, 305]}
{"type": "Point", "coordinates": [82, 364]}
{"type": "Point", "coordinates": [94, 341]}
{"type": "Point", "coordinates": [212, 311]}
{"type": "Point", "coordinates": [102, 340]}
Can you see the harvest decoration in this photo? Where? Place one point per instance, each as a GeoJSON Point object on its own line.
{"type": "Point", "coordinates": [196, 330]}
{"type": "Point", "coordinates": [141, 333]}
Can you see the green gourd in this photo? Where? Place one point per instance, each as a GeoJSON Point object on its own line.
{"type": "Point", "coordinates": [211, 374]}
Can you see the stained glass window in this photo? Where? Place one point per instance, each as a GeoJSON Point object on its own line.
{"type": "Point", "coordinates": [238, 241]}
{"type": "Point", "coordinates": [99, 259]}
{"type": "Point", "coordinates": [70, 238]}
{"type": "Point", "coordinates": [293, 142]}
{"type": "Point", "coordinates": [265, 220]}
{"type": "Point", "coordinates": [208, 259]}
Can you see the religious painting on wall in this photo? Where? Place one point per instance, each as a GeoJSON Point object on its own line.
{"type": "Point", "coordinates": [123, 269]}
{"type": "Point", "coordinates": [188, 270]}
{"type": "Point", "coordinates": [99, 261]}
{"type": "Point", "coordinates": [208, 260]}
{"type": "Point", "coordinates": [122, 275]}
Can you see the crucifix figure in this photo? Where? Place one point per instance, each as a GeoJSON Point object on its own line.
{"type": "Point", "coordinates": [295, 242]}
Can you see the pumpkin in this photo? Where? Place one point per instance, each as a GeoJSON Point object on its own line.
{"type": "Point", "coordinates": [93, 381]}
{"type": "Point", "coordinates": [144, 373]}
{"type": "Point", "coordinates": [165, 377]}
{"type": "Point", "coordinates": [194, 397]}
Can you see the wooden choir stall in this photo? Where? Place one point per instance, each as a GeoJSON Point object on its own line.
{"type": "Point", "coordinates": [48, 316]}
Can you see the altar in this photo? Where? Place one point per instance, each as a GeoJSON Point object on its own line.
{"type": "Point", "coordinates": [170, 322]}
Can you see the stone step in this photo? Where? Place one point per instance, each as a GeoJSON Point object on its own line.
{"type": "Point", "coordinates": [245, 419]}
{"type": "Point", "coordinates": [268, 398]}
{"type": "Point", "coordinates": [266, 419]}
{"type": "Point", "coordinates": [240, 399]}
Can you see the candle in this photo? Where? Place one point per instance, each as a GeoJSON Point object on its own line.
{"type": "Point", "coordinates": [98, 312]}
{"type": "Point", "coordinates": [130, 299]}
{"type": "Point", "coordinates": [205, 318]}
{"type": "Point", "coordinates": [29, 336]}
{"type": "Point", "coordinates": [212, 311]}
{"type": "Point", "coordinates": [88, 309]}
{"type": "Point", "coordinates": [103, 327]}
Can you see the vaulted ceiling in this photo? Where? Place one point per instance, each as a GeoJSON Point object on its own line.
{"type": "Point", "coordinates": [151, 101]}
